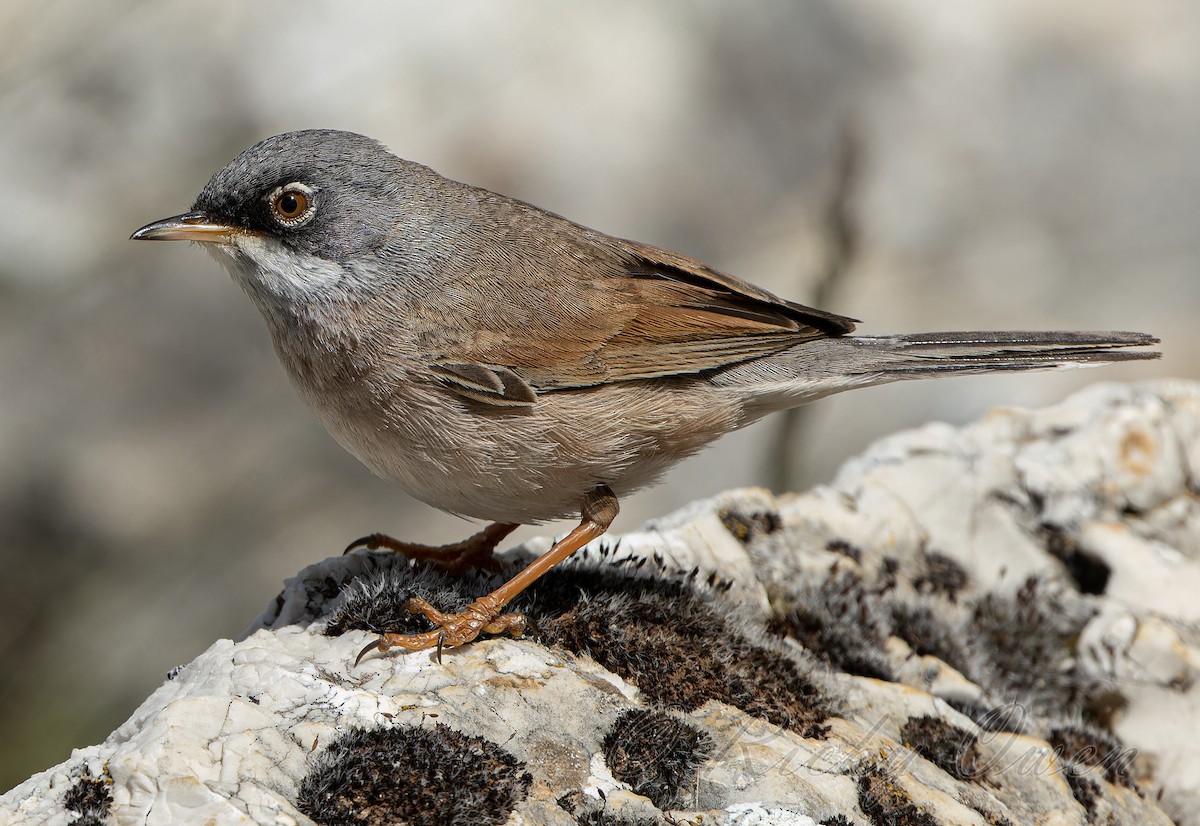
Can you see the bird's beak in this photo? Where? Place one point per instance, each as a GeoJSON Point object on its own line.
{"type": "Point", "coordinates": [190, 226]}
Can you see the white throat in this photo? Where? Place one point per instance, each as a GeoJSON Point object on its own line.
{"type": "Point", "coordinates": [270, 271]}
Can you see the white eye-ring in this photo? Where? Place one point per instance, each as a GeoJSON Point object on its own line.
{"type": "Point", "coordinates": [293, 204]}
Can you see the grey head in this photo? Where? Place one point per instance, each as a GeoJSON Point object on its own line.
{"type": "Point", "coordinates": [299, 211]}
{"type": "Point", "coordinates": [320, 191]}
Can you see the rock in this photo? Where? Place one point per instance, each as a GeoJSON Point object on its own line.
{"type": "Point", "coordinates": [984, 625]}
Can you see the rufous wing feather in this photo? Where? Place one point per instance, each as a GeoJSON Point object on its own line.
{"type": "Point", "coordinates": [658, 314]}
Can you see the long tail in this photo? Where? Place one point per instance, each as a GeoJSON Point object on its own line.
{"type": "Point", "coordinates": [926, 354]}
{"type": "Point", "coordinates": [819, 368]}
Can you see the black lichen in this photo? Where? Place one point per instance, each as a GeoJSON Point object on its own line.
{"type": "Point", "coordinates": [845, 548]}
{"type": "Point", "coordinates": [884, 800]}
{"type": "Point", "coordinates": [951, 749]}
{"type": "Point", "coordinates": [837, 820]}
{"type": "Point", "coordinates": [673, 642]}
{"type": "Point", "coordinates": [376, 601]}
{"type": "Point", "coordinates": [664, 633]}
{"type": "Point", "coordinates": [1025, 649]}
{"type": "Point", "coordinates": [1089, 746]}
{"type": "Point", "coordinates": [412, 776]}
{"type": "Point", "coordinates": [929, 634]}
{"type": "Point", "coordinates": [656, 754]}
{"type": "Point", "coordinates": [745, 527]}
{"type": "Point", "coordinates": [1085, 791]}
{"type": "Point", "coordinates": [91, 798]}
{"type": "Point", "coordinates": [840, 622]}
{"type": "Point", "coordinates": [941, 575]}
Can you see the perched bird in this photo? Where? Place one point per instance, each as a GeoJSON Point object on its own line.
{"type": "Point", "coordinates": [501, 362]}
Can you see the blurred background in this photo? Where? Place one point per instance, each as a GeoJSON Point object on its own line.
{"type": "Point", "coordinates": [1001, 163]}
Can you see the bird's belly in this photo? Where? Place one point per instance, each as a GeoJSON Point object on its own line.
{"type": "Point", "coordinates": [529, 465]}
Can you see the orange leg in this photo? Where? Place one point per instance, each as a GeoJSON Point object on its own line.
{"type": "Point", "coordinates": [483, 615]}
{"type": "Point", "coordinates": [474, 552]}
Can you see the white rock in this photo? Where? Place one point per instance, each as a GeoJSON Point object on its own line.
{"type": "Point", "coordinates": [230, 738]}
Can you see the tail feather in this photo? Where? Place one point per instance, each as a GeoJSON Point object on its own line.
{"type": "Point", "coordinates": [819, 368]}
{"type": "Point", "coordinates": [959, 352]}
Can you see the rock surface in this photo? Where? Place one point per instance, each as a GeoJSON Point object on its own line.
{"type": "Point", "coordinates": [987, 625]}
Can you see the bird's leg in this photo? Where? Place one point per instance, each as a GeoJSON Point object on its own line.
{"type": "Point", "coordinates": [483, 615]}
{"type": "Point", "coordinates": [473, 552]}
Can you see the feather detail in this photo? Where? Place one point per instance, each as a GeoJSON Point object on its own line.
{"type": "Point", "coordinates": [487, 383]}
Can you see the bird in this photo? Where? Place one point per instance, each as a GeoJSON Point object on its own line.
{"type": "Point", "coordinates": [503, 363]}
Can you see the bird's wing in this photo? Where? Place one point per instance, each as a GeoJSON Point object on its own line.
{"type": "Point", "coordinates": [636, 312]}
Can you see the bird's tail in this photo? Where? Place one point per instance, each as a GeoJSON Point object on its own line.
{"type": "Point", "coordinates": [819, 368]}
{"type": "Point", "coordinates": [926, 354]}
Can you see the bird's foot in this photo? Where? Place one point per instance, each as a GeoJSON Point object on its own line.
{"type": "Point", "coordinates": [483, 615]}
{"type": "Point", "coordinates": [477, 551]}
{"type": "Point", "coordinates": [480, 617]}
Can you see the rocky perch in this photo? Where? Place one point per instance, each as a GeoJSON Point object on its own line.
{"type": "Point", "coordinates": [997, 624]}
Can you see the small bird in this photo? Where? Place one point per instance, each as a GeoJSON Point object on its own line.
{"type": "Point", "coordinates": [501, 362]}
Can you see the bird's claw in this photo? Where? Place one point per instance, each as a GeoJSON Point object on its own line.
{"type": "Point", "coordinates": [370, 542]}
{"type": "Point", "coordinates": [477, 551]}
{"type": "Point", "coordinates": [369, 647]}
{"type": "Point", "coordinates": [452, 631]}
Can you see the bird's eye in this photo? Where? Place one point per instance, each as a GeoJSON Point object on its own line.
{"type": "Point", "coordinates": [292, 205]}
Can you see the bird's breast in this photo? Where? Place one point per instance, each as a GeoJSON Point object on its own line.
{"type": "Point", "coordinates": [374, 393]}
